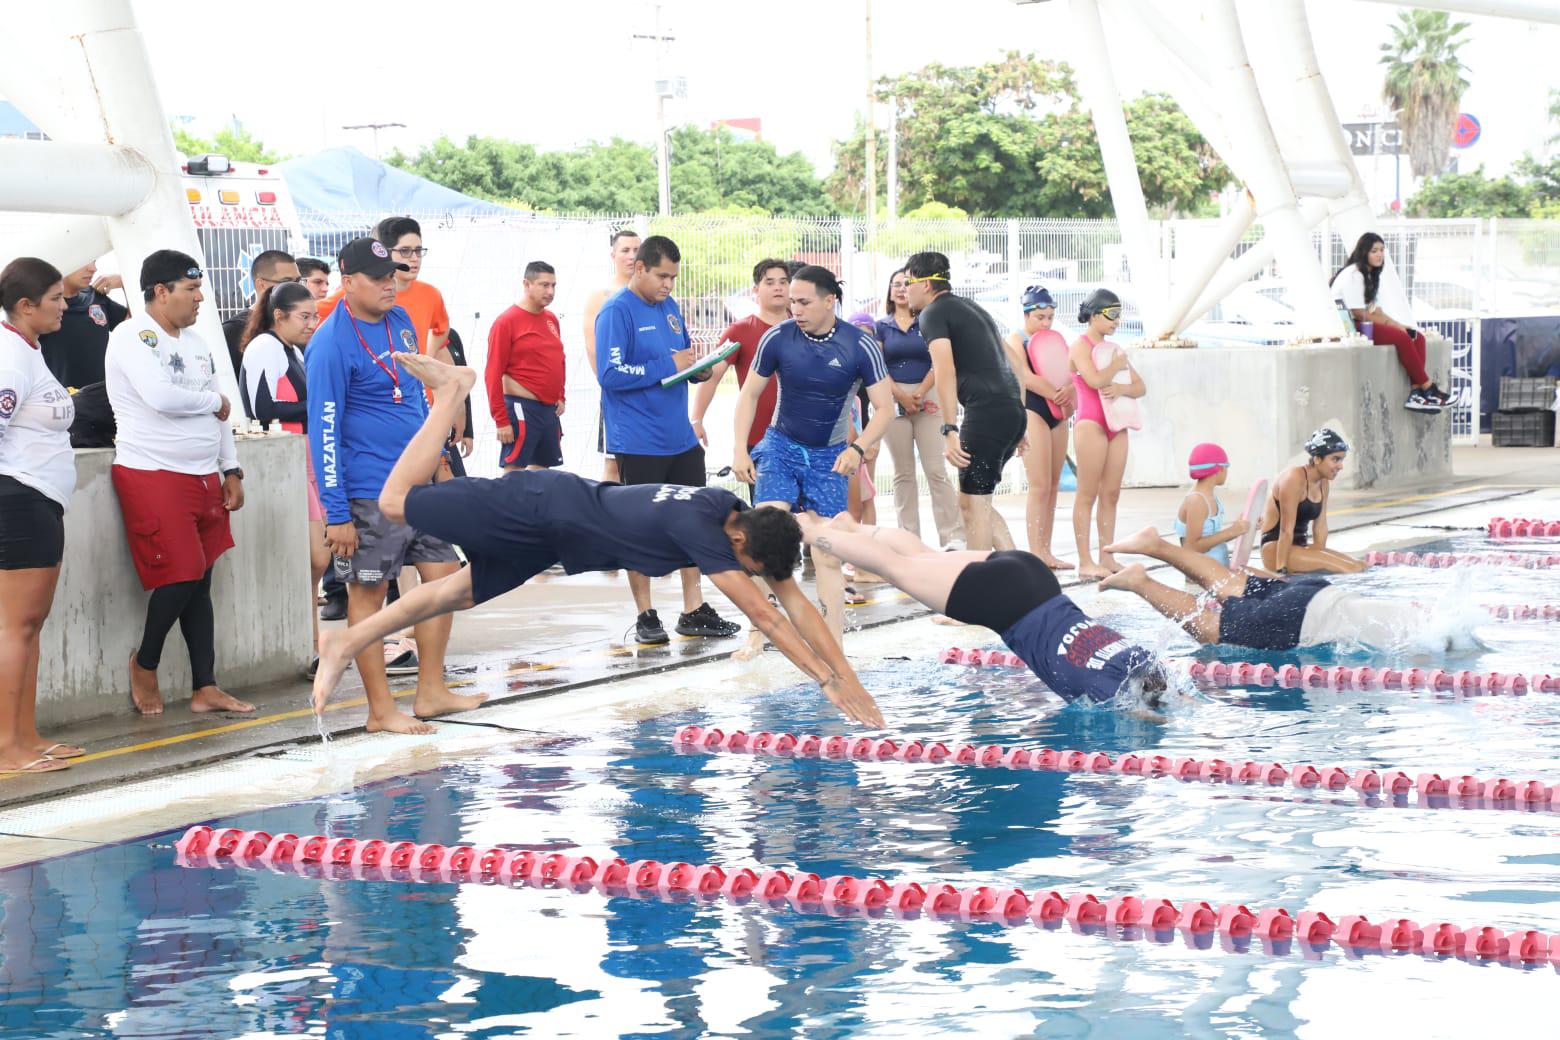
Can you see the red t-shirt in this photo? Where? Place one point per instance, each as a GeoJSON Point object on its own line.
{"type": "Point", "coordinates": [525, 347]}
{"type": "Point", "coordinates": [747, 332]}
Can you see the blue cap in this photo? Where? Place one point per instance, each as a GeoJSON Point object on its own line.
{"type": "Point", "coordinates": [1036, 296]}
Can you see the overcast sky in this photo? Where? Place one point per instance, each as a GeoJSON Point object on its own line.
{"type": "Point", "coordinates": [560, 74]}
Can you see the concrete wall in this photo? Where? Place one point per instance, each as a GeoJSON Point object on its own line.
{"type": "Point", "coordinates": [260, 590]}
{"type": "Point", "coordinates": [1261, 403]}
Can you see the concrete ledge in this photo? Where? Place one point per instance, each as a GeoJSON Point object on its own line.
{"type": "Point", "coordinates": [1260, 403]}
{"type": "Point", "coordinates": [260, 590]}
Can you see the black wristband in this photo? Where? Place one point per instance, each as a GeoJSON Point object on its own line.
{"type": "Point", "coordinates": [231, 472]}
{"type": "Point", "coordinates": [949, 427]}
{"type": "Point", "coordinates": [859, 449]}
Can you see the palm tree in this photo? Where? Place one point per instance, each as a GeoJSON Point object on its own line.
{"type": "Point", "coordinates": [1425, 84]}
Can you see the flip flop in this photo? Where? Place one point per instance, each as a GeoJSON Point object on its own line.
{"type": "Point", "coordinates": [37, 765]}
{"type": "Point", "coordinates": [48, 752]}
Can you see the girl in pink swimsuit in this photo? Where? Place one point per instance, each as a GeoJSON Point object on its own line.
{"type": "Point", "coordinates": [1102, 451]}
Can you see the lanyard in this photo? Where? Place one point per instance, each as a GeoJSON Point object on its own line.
{"type": "Point", "coordinates": [392, 369]}
{"type": "Point", "coordinates": [19, 332]}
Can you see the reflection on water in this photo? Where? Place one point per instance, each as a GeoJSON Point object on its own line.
{"type": "Point", "coordinates": [116, 941]}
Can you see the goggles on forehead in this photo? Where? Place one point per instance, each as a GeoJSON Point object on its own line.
{"type": "Point", "coordinates": [928, 278]}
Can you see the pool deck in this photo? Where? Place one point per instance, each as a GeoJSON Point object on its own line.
{"type": "Point", "coordinates": [554, 636]}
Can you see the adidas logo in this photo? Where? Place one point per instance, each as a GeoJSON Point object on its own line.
{"type": "Point", "coordinates": [834, 362]}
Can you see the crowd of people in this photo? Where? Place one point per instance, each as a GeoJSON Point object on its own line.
{"type": "Point", "coordinates": [373, 375]}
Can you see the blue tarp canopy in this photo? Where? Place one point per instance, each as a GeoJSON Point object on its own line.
{"type": "Point", "coordinates": [345, 181]}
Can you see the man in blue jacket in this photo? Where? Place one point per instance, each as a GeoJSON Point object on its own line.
{"type": "Point", "coordinates": [364, 408]}
{"type": "Point", "coordinates": [641, 338]}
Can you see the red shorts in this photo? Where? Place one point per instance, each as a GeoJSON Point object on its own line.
{"type": "Point", "coordinates": [176, 523]}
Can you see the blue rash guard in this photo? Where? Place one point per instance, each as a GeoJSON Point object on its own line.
{"type": "Point", "coordinates": [1072, 653]}
{"type": "Point", "coordinates": [357, 429]}
{"type": "Point", "coordinates": [818, 378]}
{"type": "Point", "coordinates": [635, 342]}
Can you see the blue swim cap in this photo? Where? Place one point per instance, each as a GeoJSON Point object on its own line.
{"type": "Point", "coordinates": [1036, 296]}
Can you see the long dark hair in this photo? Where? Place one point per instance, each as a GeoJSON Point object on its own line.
{"type": "Point", "coordinates": [1360, 259]}
{"type": "Point", "coordinates": [262, 316]}
{"type": "Point", "coordinates": [888, 298]}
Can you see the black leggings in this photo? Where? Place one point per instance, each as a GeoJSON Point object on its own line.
{"type": "Point", "coordinates": [1000, 589]}
{"type": "Point", "coordinates": [188, 603]}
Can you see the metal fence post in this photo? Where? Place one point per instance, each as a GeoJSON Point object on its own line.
{"type": "Point", "coordinates": [1015, 286]}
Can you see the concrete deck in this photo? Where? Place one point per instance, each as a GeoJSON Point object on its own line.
{"type": "Point", "coordinates": [556, 636]}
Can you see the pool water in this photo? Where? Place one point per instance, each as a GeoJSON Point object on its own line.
{"type": "Point", "coordinates": [117, 940]}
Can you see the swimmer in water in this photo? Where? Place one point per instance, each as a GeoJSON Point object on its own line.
{"type": "Point", "coordinates": [1014, 594]}
{"type": "Point", "coordinates": [1268, 612]}
{"type": "Point", "coordinates": [1294, 525]}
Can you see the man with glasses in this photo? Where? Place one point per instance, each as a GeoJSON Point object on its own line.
{"type": "Point", "coordinates": [176, 474]}
{"type": "Point", "coordinates": [971, 370]}
{"type": "Point", "coordinates": [272, 267]}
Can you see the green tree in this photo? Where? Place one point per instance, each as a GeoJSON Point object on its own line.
{"type": "Point", "coordinates": [719, 249]}
{"type": "Point", "coordinates": [1471, 195]}
{"type": "Point", "coordinates": [238, 145]}
{"type": "Point", "coordinates": [947, 229]}
{"type": "Point", "coordinates": [1425, 83]}
{"type": "Point", "coordinates": [1012, 138]}
{"type": "Point", "coordinates": [716, 170]}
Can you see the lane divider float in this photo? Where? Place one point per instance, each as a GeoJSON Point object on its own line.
{"type": "Point", "coordinates": [1433, 789]}
{"type": "Point", "coordinates": [844, 895]}
{"type": "Point", "coordinates": [1377, 558]}
{"type": "Point", "coordinates": [1501, 527]}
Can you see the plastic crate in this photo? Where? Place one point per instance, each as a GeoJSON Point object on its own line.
{"type": "Point", "coordinates": [1526, 394]}
{"type": "Point", "coordinates": [1523, 429]}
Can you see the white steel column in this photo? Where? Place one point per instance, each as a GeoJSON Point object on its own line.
{"type": "Point", "coordinates": [66, 177]}
{"type": "Point", "coordinates": [1185, 294]}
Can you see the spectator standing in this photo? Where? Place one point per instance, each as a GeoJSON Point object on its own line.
{"type": "Point", "coordinates": [641, 338]}
{"type": "Point", "coordinates": [315, 275]}
{"type": "Point", "coordinates": [1355, 285]}
{"type": "Point", "coordinates": [176, 474]}
{"type": "Point", "coordinates": [772, 293]}
{"type": "Point", "coordinates": [316, 278]}
{"type": "Point", "coordinates": [971, 369]}
{"type": "Point", "coordinates": [363, 409]}
{"type": "Point", "coordinates": [525, 375]}
{"type": "Point", "coordinates": [625, 249]}
{"type": "Point", "coordinates": [275, 388]}
{"type": "Point", "coordinates": [74, 351]}
{"type": "Point", "coordinates": [917, 419]}
{"type": "Point", "coordinates": [272, 267]}
{"type": "Point", "coordinates": [37, 477]}
{"type": "Point", "coordinates": [423, 304]}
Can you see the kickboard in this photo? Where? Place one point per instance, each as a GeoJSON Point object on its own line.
{"type": "Point", "coordinates": [1256, 502]}
{"type": "Point", "coordinates": [708, 361]}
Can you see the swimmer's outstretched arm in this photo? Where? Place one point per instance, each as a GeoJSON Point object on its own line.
{"type": "Point", "coordinates": [807, 643]}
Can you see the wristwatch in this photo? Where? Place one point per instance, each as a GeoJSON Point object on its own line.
{"type": "Point", "coordinates": [949, 427]}
{"type": "Point", "coordinates": [231, 472]}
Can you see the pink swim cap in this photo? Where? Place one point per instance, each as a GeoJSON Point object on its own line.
{"type": "Point", "coordinates": [1205, 459]}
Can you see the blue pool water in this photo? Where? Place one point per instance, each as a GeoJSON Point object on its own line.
{"type": "Point", "coordinates": [119, 941]}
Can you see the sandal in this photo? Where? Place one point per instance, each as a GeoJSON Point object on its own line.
{"type": "Point", "coordinates": [37, 765]}
{"type": "Point", "coordinates": [76, 752]}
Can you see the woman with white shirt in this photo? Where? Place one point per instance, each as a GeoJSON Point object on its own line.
{"type": "Point", "coordinates": [37, 476]}
{"type": "Point", "coordinates": [1355, 285]}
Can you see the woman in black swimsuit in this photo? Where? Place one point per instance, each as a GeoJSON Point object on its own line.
{"type": "Point", "coordinates": [1294, 524]}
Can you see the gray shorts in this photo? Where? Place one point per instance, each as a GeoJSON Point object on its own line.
{"type": "Point", "coordinates": [384, 547]}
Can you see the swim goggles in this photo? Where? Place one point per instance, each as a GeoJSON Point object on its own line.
{"type": "Point", "coordinates": [1112, 313]}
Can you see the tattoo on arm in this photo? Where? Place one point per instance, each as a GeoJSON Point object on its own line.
{"type": "Point", "coordinates": [823, 543]}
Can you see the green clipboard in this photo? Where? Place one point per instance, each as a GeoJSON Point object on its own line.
{"type": "Point", "coordinates": [708, 361]}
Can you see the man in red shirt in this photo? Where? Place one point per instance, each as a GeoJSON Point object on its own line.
{"type": "Point", "coordinates": [525, 375]}
{"type": "Point", "coordinates": [772, 293]}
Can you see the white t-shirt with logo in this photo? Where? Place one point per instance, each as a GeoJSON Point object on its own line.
{"type": "Point", "coordinates": [1349, 287]}
{"type": "Point", "coordinates": [163, 389]}
{"type": "Point", "coordinates": [35, 417]}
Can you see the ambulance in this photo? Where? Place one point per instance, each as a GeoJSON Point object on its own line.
{"type": "Point", "coordinates": [240, 210]}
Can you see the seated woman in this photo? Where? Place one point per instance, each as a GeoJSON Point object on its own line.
{"type": "Point", "coordinates": [1012, 593]}
{"type": "Point", "coordinates": [1294, 524]}
{"type": "Point", "coordinates": [1355, 285]}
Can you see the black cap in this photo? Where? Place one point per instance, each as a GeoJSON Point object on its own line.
{"type": "Point", "coordinates": [168, 265]}
{"type": "Point", "coordinates": [367, 256]}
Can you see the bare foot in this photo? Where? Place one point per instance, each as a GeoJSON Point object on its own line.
{"type": "Point", "coordinates": [397, 723]}
{"type": "Point", "coordinates": [752, 649]}
{"type": "Point", "coordinates": [1093, 571]}
{"type": "Point", "coordinates": [333, 665]}
{"type": "Point", "coordinates": [1125, 578]}
{"type": "Point", "coordinates": [436, 375]}
{"type": "Point", "coordinates": [1109, 562]}
{"type": "Point", "coordinates": [211, 698]}
{"type": "Point", "coordinates": [844, 522]}
{"type": "Point", "coordinates": [1142, 543]}
{"type": "Point", "coordinates": [1056, 563]}
{"type": "Point", "coordinates": [143, 689]}
{"type": "Point", "coordinates": [440, 700]}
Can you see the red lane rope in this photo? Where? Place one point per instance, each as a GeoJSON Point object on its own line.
{"type": "Point", "coordinates": [1433, 790]}
{"type": "Point", "coordinates": [1501, 527]}
{"type": "Point", "coordinates": [844, 894]}
{"type": "Point", "coordinates": [1413, 559]}
{"type": "Point", "coordinates": [1518, 611]}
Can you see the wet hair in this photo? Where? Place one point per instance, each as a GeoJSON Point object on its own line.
{"type": "Point", "coordinates": [391, 230]}
{"type": "Point", "coordinates": [888, 297]}
{"type": "Point", "coordinates": [931, 267]}
{"type": "Point", "coordinates": [26, 278]}
{"type": "Point", "coordinates": [624, 232]}
{"type": "Point", "coordinates": [657, 248]}
{"type": "Point", "coordinates": [823, 278]}
{"type": "Point", "coordinates": [768, 264]}
{"type": "Point", "coordinates": [1360, 260]}
{"type": "Point", "coordinates": [285, 297]}
{"type": "Point", "coordinates": [536, 267]}
{"type": "Point", "coordinates": [774, 539]}
{"type": "Point", "coordinates": [265, 265]}
{"type": "Point", "coordinates": [307, 265]}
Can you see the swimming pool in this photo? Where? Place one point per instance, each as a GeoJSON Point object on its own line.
{"type": "Point", "coordinates": [118, 941]}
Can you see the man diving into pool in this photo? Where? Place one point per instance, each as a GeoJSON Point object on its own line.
{"type": "Point", "coordinates": [1012, 593]}
{"type": "Point", "coordinates": [513, 527]}
{"type": "Point", "coordinates": [1268, 612]}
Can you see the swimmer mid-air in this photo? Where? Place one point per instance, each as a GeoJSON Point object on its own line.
{"type": "Point", "coordinates": [514, 527]}
{"type": "Point", "coordinates": [1014, 594]}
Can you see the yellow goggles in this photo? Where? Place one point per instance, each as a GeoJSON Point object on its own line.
{"type": "Point", "coordinates": [1110, 313]}
{"type": "Point", "coordinates": [929, 278]}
